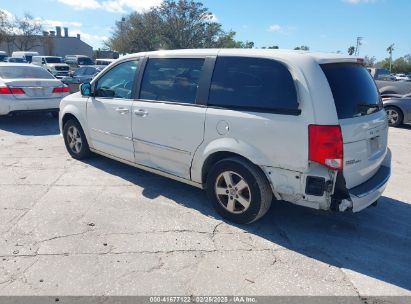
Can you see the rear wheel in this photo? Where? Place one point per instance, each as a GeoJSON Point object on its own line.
{"type": "Point", "coordinates": [238, 190]}
{"type": "Point", "coordinates": [394, 115]}
{"type": "Point", "coordinates": [75, 140]}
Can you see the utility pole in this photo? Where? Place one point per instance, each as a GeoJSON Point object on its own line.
{"type": "Point", "coordinates": [357, 48]}
{"type": "Point", "coordinates": [390, 49]}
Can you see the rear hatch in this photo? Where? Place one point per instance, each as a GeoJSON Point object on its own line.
{"type": "Point", "coordinates": [362, 119]}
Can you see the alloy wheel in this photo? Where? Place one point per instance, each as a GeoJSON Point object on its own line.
{"type": "Point", "coordinates": [74, 139]}
{"type": "Point", "coordinates": [233, 192]}
{"type": "Point", "coordinates": [393, 116]}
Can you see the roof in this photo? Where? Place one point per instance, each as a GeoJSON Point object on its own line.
{"type": "Point", "coordinates": [47, 56]}
{"type": "Point", "coordinates": [8, 64]}
{"type": "Point", "coordinates": [272, 53]}
{"type": "Point", "coordinates": [76, 56]}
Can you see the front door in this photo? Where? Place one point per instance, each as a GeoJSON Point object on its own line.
{"type": "Point", "coordinates": [109, 111]}
{"type": "Point", "coordinates": [168, 125]}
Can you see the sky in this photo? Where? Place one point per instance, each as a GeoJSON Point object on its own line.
{"type": "Point", "coordinates": [323, 25]}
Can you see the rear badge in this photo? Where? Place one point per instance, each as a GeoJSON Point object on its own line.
{"type": "Point", "coordinates": [352, 162]}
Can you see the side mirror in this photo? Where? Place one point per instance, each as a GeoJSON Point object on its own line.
{"type": "Point", "coordinates": [85, 89]}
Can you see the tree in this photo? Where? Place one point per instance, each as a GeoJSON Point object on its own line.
{"type": "Point", "coordinates": [399, 65]}
{"type": "Point", "coordinates": [273, 47]}
{"type": "Point", "coordinates": [23, 33]}
{"type": "Point", "coordinates": [135, 33]}
{"type": "Point", "coordinates": [385, 63]}
{"type": "Point", "coordinates": [369, 61]}
{"type": "Point", "coordinates": [302, 48]}
{"type": "Point", "coordinates": [186, 24]}
{"type": "Point", "coordinates": [7, 30]}
{"type": "Point", "coordinates": [173, 25]}
{"type": "Point", "coordinates": [351, 50]}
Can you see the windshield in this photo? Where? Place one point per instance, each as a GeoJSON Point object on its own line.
{"type": "Point", "coordinates": [85, 61]}
{"type": "Point", "coordinates": [354, 90]}
{"type": "Point", "coordinates": [18, 60]}
{"type": "Point", "coordinates": [53, 60]}
{"type": "Point", "coordinates": [15, 72]}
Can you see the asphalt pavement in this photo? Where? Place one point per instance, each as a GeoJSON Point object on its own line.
{"type": "Point", "coordinates": [99, 227]}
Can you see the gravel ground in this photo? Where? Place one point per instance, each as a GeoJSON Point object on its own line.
{"type": "Point", "coordinates": [103, 228]}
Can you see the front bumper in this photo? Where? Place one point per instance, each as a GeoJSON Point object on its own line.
{"type": "Point", "coordinates": [367, 193]}
{"type": "Point", "coordinates": [60, 74]}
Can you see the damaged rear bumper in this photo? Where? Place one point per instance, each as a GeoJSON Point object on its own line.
{"type": "Point", "coordinates": [370, 191]}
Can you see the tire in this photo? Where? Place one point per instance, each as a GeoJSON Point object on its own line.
{"type": "Point", "coordinates": [75, 140]}
{"type": "Point", "coordinates": [395, 116]}
{"type": "Point", "coordinates": [240, 205]}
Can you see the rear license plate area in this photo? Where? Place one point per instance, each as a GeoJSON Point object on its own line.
{"type": "Point", "coordinates": [374, 144]}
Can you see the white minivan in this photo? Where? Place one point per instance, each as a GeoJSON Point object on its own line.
{"type": "Point", "coordinates": [249, 126]}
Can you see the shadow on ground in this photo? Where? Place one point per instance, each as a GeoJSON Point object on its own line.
{"type": "Point", "coordinates": [405, 126]}
{"type": "Point", "coordinates": [31, 124]}
{"type": "Point", "coordinates": [375, 242]}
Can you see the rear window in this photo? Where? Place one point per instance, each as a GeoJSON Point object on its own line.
{"type": "Point", "coordinates": [354, 91]}
{"type": "Point", "coordinates": [85, 61]}
{"type": "Point", "coordinates": [16, 72]}
{"type": "Point", "coordinates": [253, 84]}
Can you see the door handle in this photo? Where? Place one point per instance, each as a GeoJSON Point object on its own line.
{"type": "Point", "coordinates": [122, 110]}
{"type": "Point", "coordinates": [141, 112]}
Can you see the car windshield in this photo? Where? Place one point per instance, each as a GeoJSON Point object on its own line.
{"type": "Point", "coordinates": [85, 61]}
{"type": "Point", "coordinates": [16, 72]}
{"type": "Point", "coordinates": [18, 60]}
{"type": "Point", "coordinates": [354, 90]}
{"type": "Point", "coordinates": [53, 60]}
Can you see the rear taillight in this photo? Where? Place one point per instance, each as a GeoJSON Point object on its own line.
{"type": "Point", "coordinates": [63, 89]}
{"type": "Point", "coordinates": [7, 90]}
{"type": "Point", "coordinates": [326, 146]}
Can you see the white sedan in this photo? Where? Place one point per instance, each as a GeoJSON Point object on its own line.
{"type": "Point", "coordinates": [25, 87]}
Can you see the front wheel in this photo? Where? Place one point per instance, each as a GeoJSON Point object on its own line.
{"type": "Point", "coordinates": [394, 116]}
{"type": "Point", "coordinates": [238, 190]}
{"type": "Point", "coordinates": [75, 140]}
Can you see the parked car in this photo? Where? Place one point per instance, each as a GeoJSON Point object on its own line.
{"type": "Point", "coordinates": [381, 74]}
{"type": "Point", "coordinates": [104, 61]}
{"type": "Point", "coordinates": [398, 109]}
{"type": "Point", "coordinates": [3, 56]}
{"type": "Point", "coordinates": [401, 77]}
{"type": "Point", "coordinates": [247, 125]}
{"type": "Point", "coordinates": [393, 87]}
{"type": "Point", "coordinates": [53, 64]}
{"type": "Point", "coordinates": [387, 83]}
{"type": "Point", "coordinates": [25, 87]}
{"type": "Point", "coordinates": [81, 75]}
{"type": "Point", "coordinates": [76, 61]}
{"type": "Point", "coordinates": [27, 56]}
{"type": "Point", "coordinates": [15, 60]}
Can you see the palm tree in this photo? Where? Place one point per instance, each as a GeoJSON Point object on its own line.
{"type": "Point", "coordinates": [351, 50]}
